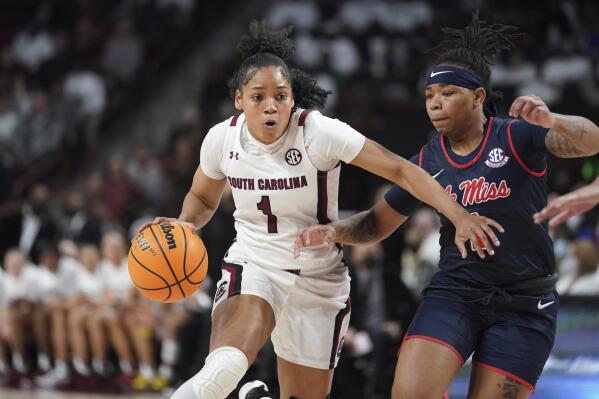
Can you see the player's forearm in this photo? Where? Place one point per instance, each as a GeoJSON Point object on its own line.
{"type": "Point", "coordinates": [572, 136]}
{"type": "Point", "coordinates": [422, 186]}
{"type": "Point", "coordinates": [195, 210]}
{"type": "Point", "coordinates": [361, 228]}
{"type": "Point", "coordinates": [380, 161]}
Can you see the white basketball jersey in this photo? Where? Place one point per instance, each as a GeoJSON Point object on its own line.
{"type": "Point", "coordinates": [276, 195]}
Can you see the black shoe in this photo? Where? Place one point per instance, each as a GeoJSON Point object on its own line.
{"type": "Point", "coordinates": [254, 390]}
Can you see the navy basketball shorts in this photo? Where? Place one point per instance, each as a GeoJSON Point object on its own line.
{"type": "Point", "coordinates": [512, 336]}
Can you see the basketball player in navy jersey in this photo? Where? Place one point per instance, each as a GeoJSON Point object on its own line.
{"type": "Point", "coordinates": [501, 308]}
{"type": "Point", "coordinates": [282, 162]}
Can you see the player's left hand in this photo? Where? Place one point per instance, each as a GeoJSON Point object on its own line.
{"type": "Point", "coordinates": [314, 237]}
{"type": "Point", "coordinates": [478, 230]}
{"type": "Point", "coordinates": [533, 110]}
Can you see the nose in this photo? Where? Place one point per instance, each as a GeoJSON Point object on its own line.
{"type": "Point", "coordinates": [434, 103]}
{"type": "Point", "coordinates": [271, 107]}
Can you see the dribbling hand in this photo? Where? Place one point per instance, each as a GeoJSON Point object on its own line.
{"type": "Point", "coordinates": [161, 219]}
{"type": "Point", "coordinates": [478, 230]}
{"type": "Point", "coordinates": [314, 237]}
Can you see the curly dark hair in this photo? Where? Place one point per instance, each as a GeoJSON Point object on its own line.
{"type": "Point", "coordinates": [262, 47]}
{"type": "Point", "coordinates": [474, 48]}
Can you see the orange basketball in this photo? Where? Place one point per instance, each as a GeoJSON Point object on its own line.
{"type": "Point", "coordinates": [167, 262]}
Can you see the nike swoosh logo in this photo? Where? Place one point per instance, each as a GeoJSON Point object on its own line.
{"type": "Point", "coordinates": [433, 74]}
{"type": "Point", "coordinates": [544, 305]}
{"type": "Point", "coordinates": [438, 173]}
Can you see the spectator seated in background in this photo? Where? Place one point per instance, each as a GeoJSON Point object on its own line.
{"type": "Point", "coordinates": [421, 257]}
{"type": "Point", "coordinates": [584, 280]}
{"type": "Point", "coordinates": [57, 279]}
{"type": "Point", "coordinates": [19, 282]}
{"type": "Point", "coordinates": [117, 284]}
{"type": "Point", "coordinates": [85, 305]}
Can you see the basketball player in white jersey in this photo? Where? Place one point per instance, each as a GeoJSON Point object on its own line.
{"type": "Point", "coordinates": [282, 163]}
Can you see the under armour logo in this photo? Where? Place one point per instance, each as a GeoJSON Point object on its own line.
{"type": "Point", "coordinates": [233, 154]}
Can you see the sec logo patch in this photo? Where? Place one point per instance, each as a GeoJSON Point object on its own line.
{"type": "Point", "coordinates": [293, 157]}
{"type": "Point", "coordinates": [496, 158]}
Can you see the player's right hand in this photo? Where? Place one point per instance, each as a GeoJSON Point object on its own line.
{"type": "Point", "coordinates": [476, 229]}
{"type": "Point", "coordinates": [314, 237]}
{"type": "Point", "coordinates": [161, 219]}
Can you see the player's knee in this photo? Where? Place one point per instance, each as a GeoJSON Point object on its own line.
{"type": "Point", "coordinates": [221, 373]}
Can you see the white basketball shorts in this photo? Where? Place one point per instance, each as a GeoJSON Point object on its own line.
{"type": "Point", "coordinates": [311, 312]}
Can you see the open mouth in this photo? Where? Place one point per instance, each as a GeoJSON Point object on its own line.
{"type": "Point", "coordinates": [270, 124]}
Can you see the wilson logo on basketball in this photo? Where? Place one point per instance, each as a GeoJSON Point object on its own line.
{"type": "Point", "coordinates": [143, 243]}
{"type": "Point", "coordinates": [168, 235]}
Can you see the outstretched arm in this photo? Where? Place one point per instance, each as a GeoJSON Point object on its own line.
{"type": "Point", "coordinates": [370, 226]}
{"type": "Point", "coordinates": [562, 208]}
{"type": "Point", "coordinates": [569, 136]}
{"type": "Point", "coordinates": [380, 161]}
{"type": "Point", "coordinates": [367, 227]}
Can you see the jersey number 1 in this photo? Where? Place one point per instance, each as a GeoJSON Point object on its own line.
{"type": "Point", "coordinates": [264, 206]}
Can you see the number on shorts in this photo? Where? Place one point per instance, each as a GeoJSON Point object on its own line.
{"type": "Point", "coordinates": [264, 206]}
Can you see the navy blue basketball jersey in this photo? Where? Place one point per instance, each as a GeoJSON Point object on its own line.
{"type": "Point", "coordinates": [503, 179]}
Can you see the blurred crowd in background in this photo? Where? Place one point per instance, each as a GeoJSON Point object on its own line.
{"type": "Point", "coordinates": [70, 318]}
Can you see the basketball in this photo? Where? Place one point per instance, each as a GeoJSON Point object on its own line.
{"type": "Point", "coordinates": [167, 262]}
